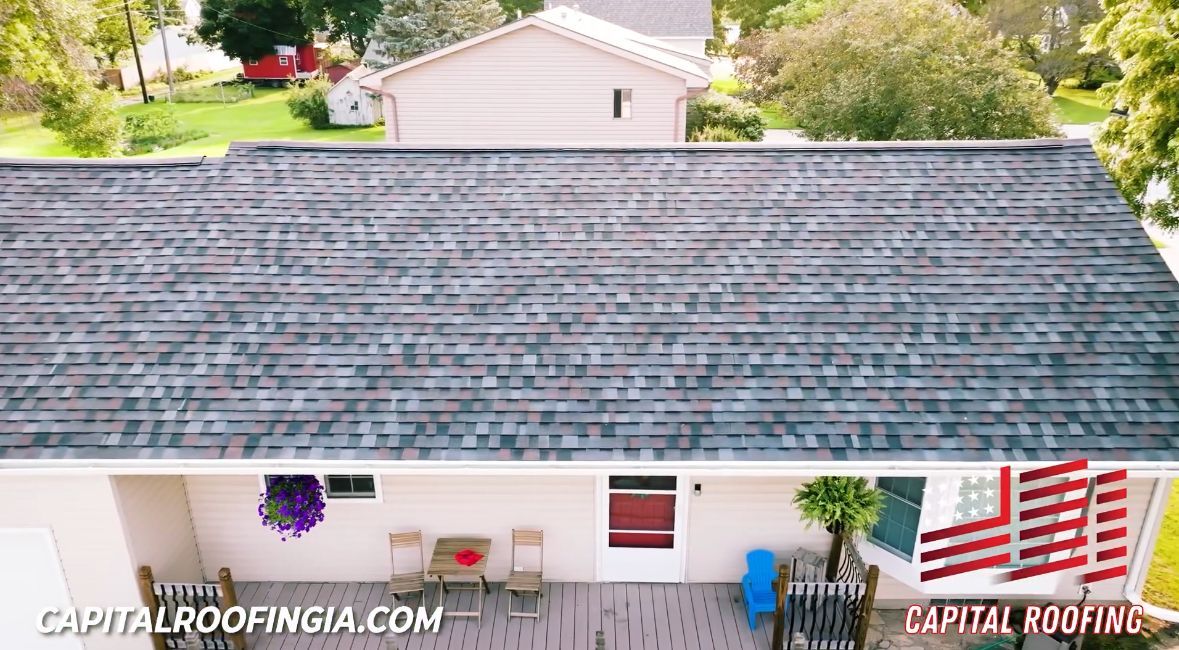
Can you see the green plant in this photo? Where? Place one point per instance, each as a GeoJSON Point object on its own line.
{"type": "Point", "coordinates": [309, 103]}
{"type": "Point", "coordinates": [716, 110]}
{"type": "Point", "coordinates": [843, 505]}
{"type": "Point", "coordinates": [155, 130]}
{"type": "Point", "coordinates": [715, 133]}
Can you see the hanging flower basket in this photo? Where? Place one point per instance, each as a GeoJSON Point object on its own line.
{"type": "Point", "coordinates": [291, 505]}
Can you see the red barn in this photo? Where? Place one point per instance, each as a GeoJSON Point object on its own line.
{"type": "Point", "coordinates": [288, 62]}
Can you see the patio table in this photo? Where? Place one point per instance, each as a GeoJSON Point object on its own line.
{"type": "Point", "coordinates": [445, 567]}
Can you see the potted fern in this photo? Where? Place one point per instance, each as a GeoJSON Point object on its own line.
{"type": "Point", "coordinates": [844, 506]}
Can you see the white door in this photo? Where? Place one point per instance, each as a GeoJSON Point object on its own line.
{"type": "Point", "coordinates": [643, 536]}
{"type": "Point", "coordinates": [33, 580]}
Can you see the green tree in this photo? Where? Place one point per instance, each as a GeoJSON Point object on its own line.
{"type": "Point", "coordinates": [408, 28]}
{"type": "Point", "coordinates": [796, 14]}
{"type": "Point", "coordinates": [843, 506]}
{"type": "Point", "coordinates": [1142, 147]}
{"type": "Point", "coordinates": [895, 70]}
{"type": "Point", "coordinates": [247, 29]}
{"type": "Point", "coordinates": [350, 21]}
{"type": "Point", "coordinates": [1046, 34]}
{"type": "Point", "coordinates": [110, 40]}
{"type": "Point", "coordinates": [751, 14]}
{"type": "Point", "coordinates": [43, 62]}
{"type": "Point", "coordinates": [514, 8]}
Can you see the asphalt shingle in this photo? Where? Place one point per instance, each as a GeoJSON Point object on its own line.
{"type": "Point", "coordinates": [656, 18]}
{"type": "Point", "coordinates": [966, 302]}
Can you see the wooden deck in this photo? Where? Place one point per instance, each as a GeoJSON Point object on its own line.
{"type": "Point", "coordinates": [631, 617]}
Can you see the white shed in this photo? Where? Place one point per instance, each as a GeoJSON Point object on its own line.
{"type": "Point", "coordinates": [349, 104]}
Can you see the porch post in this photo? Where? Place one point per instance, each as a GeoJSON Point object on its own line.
{"type": "Point", "coordinates": [866, 607]}
{"type": "Point", "coordinates": [148, 593]}
{"type": "Point", "coordinates": [781, 586]}
{"type": "Point", "coordinates": [228, 600]}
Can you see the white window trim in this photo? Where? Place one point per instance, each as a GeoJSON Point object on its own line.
{"type": "Point", "coordinates": [378, 489]}
{"type": "Point", "coordinates": [283, 60]}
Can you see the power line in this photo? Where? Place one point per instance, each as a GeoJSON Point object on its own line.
{"type": "Point", "coordinates": [265, 29]}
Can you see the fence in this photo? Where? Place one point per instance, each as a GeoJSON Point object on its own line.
{"type": "Point", "coordinates": [162, 599]}
{"type": "Point", "coordinates": [814, 615]}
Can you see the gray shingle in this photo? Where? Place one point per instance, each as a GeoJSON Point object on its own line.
{"type": "Point", "coordinates": [656, 18]}
{"type": "Point", "coordinates": [824, 302]}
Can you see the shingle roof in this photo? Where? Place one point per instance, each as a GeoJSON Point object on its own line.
{"type": "Point", "coordinates": [657, 18]}
{"type": "Point", "coordinates": [969, 302]}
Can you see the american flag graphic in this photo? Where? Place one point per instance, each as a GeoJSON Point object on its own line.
{"type": "Point", "coordinates": [1021, 523]}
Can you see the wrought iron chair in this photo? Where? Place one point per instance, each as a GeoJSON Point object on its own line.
{"type": "Point", "coordinates": [407, 582]}
{"type": "Point", "coordinates": [757, 586]}
{"type": "Point", "coordinates": [523, 580]}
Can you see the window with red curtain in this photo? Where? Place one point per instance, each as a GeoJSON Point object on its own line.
{"type": "Point", "coordinates": [631, 513]}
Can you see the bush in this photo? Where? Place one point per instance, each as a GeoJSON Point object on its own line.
{"type": "Point", "coordinates": [1098, 76]}
{"type": "Point", "coordinates": [155, 130]}
{"type": "Point", "coordinates": [714, 133]}
{"type": "Point", "coordinates": [179, 75]}
{"type": "Point", "coordinates": [716, 110]}
{"type": "Point", "coordinates": [226, 93]}
{"type": "Point", "coordinates": [309, 103]}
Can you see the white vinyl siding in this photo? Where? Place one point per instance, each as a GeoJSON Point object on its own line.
{"type": "Point", "coordinates": [83, 516]}
{"type": "Point", "coordinates": [159, 530]}
{"type": "Point", "coordinates": [532, 86]}
{"type": "Point", "coordinates": [732, 516]}
{"type": "Point", "coordinates": [352, 542]}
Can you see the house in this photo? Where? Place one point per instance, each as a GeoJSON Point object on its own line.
{"type": "Point", "coordinates": [337, 71]}
{"type": "Point", "coordinates": [289, 62]}
{"type": "Point", "coordinates": [682, 24]}
{"type": "Point", "coordinates": [528, 337]}
{"type": "Point", "coordinates": [557, 76]}
{"type": "Point", "coordinates": [350, 104]}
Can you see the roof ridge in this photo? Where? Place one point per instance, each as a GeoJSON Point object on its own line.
{"type": "Point", "coordinates": [1041, 143]}
{"type": "Point", "coordinates": [183, 161]}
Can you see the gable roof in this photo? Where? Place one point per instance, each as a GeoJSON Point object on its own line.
{"type": "Point", "coordinates": [952, 302]}
{"type": "Point", "coordinates": [657, 18]}
{"type": "Point", "coordinates": [585, 29]}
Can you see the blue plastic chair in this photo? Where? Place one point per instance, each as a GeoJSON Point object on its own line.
{"type": "Point", "coordinates": [757, 586]}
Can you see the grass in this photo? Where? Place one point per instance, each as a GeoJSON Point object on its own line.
{"type": "Point", "coordinates": [264, 117]}
{"type": "Point", "coordinates": [1077, 106]}
{"type": "Point", "coordinates": [772, 114]}
{"type": "Point", "coordinates": [1162, 579]}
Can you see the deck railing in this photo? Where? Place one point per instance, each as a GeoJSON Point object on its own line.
{"type": "Point", "coordinates": [826, 615]}
{"type": "Point", "coordinates": [162, 599]}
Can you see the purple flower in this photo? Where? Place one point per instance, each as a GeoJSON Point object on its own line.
{"type": "Point", "coordinates": [292, 505]}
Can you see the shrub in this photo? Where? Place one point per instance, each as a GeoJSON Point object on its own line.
{"type": "Point", "coordinates": [309, 103]}
{"type": "Point", "coordinates": [155, 130]}
{"type": "Point", "coordinates": [291, 505]}
{"type": "Point", "coordinates": [716, 110]}
{"type": "Point", "coordinates": [714, 133]}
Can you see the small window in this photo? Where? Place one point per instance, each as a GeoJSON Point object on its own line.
{"type": "Point", "coordinates": [622, 103]}
{"type": "Point", "coordinates": [350, 486]}
{"type": "Point", "coordinates": [282, 60]}
{"type": "Point", "coordinates": [897, 529]}
{"type": "Point", "coordinates": [252, 62]}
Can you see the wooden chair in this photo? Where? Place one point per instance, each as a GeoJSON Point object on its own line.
{"type": "Point", "coordinates": [523, 581]}
{"type": "Point", "coordinates": [407, 582]}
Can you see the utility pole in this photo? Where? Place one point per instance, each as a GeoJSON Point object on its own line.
{"type": "Point", "coordinates": [164, 42]}
{"type": "Point", "coordinates": [135, 50]}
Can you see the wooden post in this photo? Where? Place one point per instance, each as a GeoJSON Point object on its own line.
{"type": "Point", "coordinates": [148, 593]}
{"type": "Point", "coordinates": [781, 586]}
{"type": "Point", "coordinates": [228, 600]}
{"type": "Point", "coordinates": [866, 607]}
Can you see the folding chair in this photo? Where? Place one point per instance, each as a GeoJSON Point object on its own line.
{"type": "Point", "coordinates": [523, 580]}
{"type": "Point", "coordinates": [407, 582]}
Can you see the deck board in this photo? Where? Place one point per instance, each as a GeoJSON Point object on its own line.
{"type": "Point", "coordinates": [631, 617]}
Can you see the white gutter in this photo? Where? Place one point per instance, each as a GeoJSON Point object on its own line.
{"type": "Point", "coordinates": [703, 468]}
{"type": "Point", "coordinates": [1142, 552]}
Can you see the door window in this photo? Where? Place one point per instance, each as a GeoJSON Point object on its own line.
{"type": "Point", "coordinates": [642, 511]}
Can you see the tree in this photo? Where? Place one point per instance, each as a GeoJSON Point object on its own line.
{"type": "Point", "coordinates": [408, 28]}
{"type": "Point", "coordinates": [110, 40]}
{"type": "Point", "coordinates": [798, 13]}
{"type": "Point", "coordinates": [43, 68]}
{"type": "Point", "coordinates": [895, 70]}
{"type": "Point", "coordinates": [514, 8]}
{"type": "Point", "coordinates": [350, 21]}
{"type": "Point", "coordinates": [843, 505]}
{"type": "Point", "coordinates": [1046, 34]}
{"type": "Point", "coordinates": [249, 29]}
{"type": "Point", "coordinates": [751, 14]}
{"type": "Point", "coordinates": [1142, 147]}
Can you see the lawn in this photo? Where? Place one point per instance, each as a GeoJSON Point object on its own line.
{"type": "Point", "coordinates": [1077, 106]}
{"type": "Point", "coordinates": [264, 117]}
{"type": "Point", "coordinates": [1073, 105]}
{"type": "Point", "coordinates": [1162, 580]}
